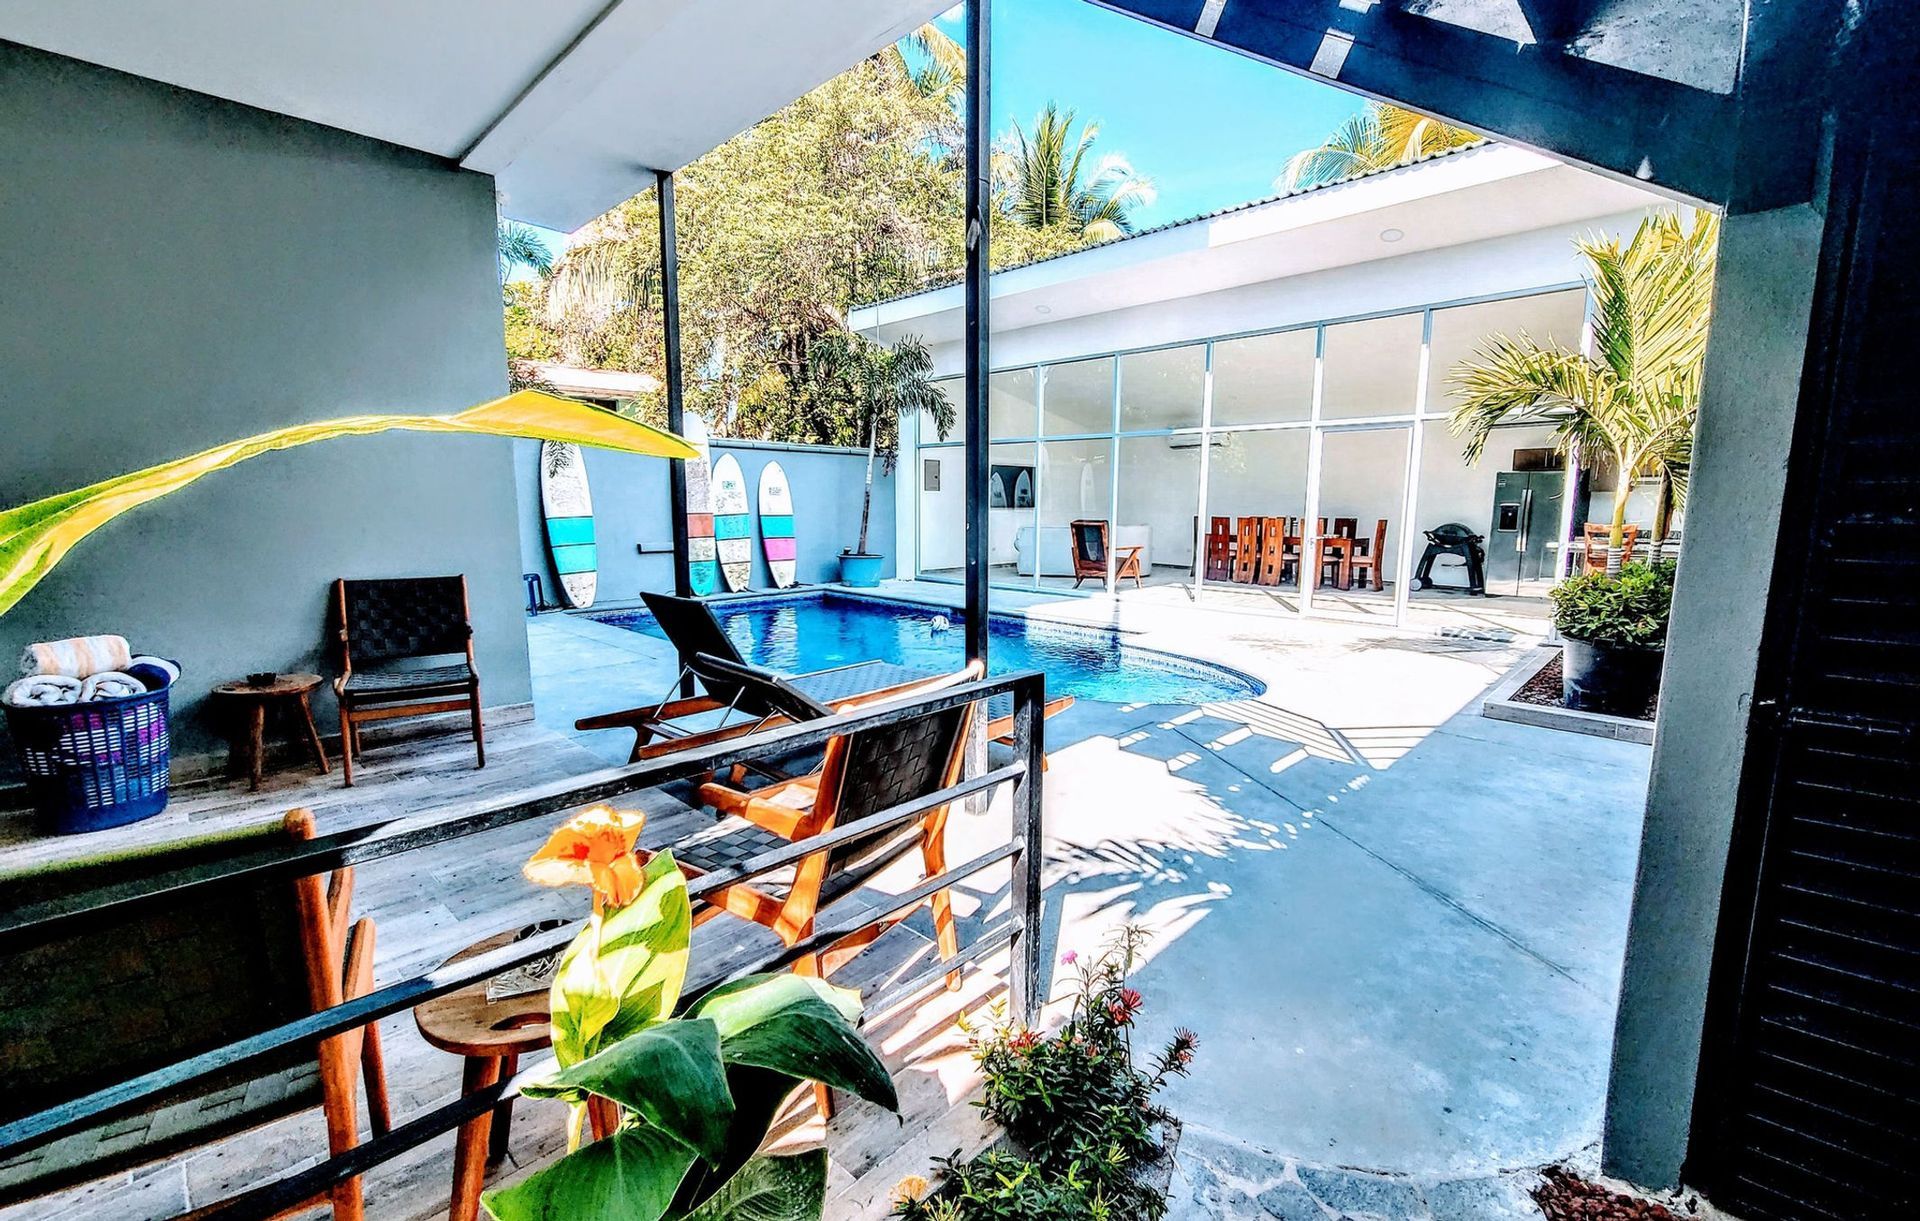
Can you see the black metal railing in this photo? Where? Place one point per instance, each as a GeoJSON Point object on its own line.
{"type": "Point", "coordinates": [33, 923]}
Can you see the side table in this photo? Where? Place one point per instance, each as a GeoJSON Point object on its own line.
{"type": "Point", "coordinates": [285, 690]}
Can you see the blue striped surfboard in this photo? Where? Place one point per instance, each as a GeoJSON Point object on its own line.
{"type": "Point", "coordinates": [568, 506]}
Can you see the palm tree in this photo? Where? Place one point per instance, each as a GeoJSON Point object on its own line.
{"type": "Point", "coordinates": [1379, 137]}
{"type": "Point", "coordinates": [1046, 182]}
{"type": "Point", "coordinates": [1633, 402]}
{"type": "Point", "coordinates": [881, 382]}
{"type": "Point", "coordinates": [944, 72]}
{"type": "Point", "coordinates": [520, 246]}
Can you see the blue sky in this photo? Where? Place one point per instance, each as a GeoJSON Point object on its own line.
{"type": "Point", "coordinates": [1211, 128]}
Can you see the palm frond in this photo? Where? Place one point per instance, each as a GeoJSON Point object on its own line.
{"type": "Point", "coordinates": [520, 246]}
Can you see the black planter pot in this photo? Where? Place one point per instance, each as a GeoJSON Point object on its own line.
{"type": "Point", "coordinates": [1616, 679]}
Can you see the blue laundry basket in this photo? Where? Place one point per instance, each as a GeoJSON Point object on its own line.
{"type": "Point", "coordinates": [94, 765]}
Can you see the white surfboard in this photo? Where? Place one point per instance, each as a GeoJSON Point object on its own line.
{"type": "Point", "coordinates": [733, 536]}
{"type": "Point", "coordinates": [567, 504]}
{"type": "Point", "coordinates": [703, 567]}
{"type": "Point", "coordinates": [777, 541]}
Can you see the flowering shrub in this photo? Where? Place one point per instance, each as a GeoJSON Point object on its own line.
{"type": "Point", "coordinates": [1077, 1105]}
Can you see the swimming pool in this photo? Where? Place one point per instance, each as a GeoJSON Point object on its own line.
{"type": "Point", "coordinates": [798, 633]}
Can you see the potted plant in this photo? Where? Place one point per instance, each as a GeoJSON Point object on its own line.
{"type": "Point", "coordinates": [883, 386]}
{"type": "Point", "coordinates": [1085, 1137]}
{"type": "Point", "coordinates": [679, 1104]}
{"type": "Point", "coordinates": [1631, 404]}
{"type": "Point", "coordinates": [1615, 625]}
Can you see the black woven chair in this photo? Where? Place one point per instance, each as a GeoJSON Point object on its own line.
{"type": "Point", "coordinates": [162, 981]}
{"type": "Point", "coordinates": [386, 628]}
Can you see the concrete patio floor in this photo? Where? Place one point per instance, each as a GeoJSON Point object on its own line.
{"type": "Point", "coordinates": [1396, 925]}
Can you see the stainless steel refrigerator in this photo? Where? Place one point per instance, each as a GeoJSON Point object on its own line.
{"type": "Point", "coordinates": [1526, 515]}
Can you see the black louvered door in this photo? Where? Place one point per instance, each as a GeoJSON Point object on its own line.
{"type": "Point", "coordinates": [1809, 1100]}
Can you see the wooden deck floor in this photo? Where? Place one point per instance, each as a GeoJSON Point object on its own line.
{"type": "Point", "coordinates": [430, 903]}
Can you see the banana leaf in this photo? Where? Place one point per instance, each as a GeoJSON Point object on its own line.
{"type": "Point", "coordinates": [36, 536]}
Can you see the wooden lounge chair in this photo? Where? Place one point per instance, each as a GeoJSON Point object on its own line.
{"type": "Point", "coordinates": [726, 709]}
{"type": "Point", "coordinates": [162, 981]}
{"type": "Point", "coordinates": [1246, 551]}
{"type": "Point", "coordinates": [787, 701]}
{"type": "Point", "coordinates": [1090, 555]}
{"type": "Point", "coordinates": [406, 619]}
{"type": "Point", "coordinates": [860, 774]}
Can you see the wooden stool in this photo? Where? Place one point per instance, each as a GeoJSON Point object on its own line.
{"type": "Point", "coordinates": [254, 701]}
{"type": "Point", "coordinates": [490, 1036]}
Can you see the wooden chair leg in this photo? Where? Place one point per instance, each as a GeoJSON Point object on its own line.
{"type": "Point", "coordinates": [946, 934]}
{"type": "Point", "coordinates": [373, 1069]}
{"type": "Point", "coordinates": [470, 1146]}
{"type": "Point", "coordinates": [349, 745]}
{"type": "Point", "coordinates": [502, 1114]}
{"type": "Point", "coordinates": [343, 1131]}
{"type": "Point", "coordinates": [479, 730]}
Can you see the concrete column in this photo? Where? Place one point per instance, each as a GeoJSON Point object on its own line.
{"type": "Point", "coordinates": [1762, 303]}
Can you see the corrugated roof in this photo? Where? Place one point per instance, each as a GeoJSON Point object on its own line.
{"type": "Point", "coordinates": [1192, 220]}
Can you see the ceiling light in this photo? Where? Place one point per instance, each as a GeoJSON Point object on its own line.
{"type": "Point", "coordinates": [1391, 235]}
{"type": "Point", "coordinates": [1043, 309]}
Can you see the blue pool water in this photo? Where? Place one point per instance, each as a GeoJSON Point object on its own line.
{"type": "Point", "coordinates": [816, 631]}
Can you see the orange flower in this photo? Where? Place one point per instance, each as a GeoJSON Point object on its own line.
{"type": "Point", "coordinates": [593, 848]}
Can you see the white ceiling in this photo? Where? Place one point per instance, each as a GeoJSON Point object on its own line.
{"type": "Point", "coordinates": [571, 104]}
{"type": "Point", "coordinates": [1464, 197]}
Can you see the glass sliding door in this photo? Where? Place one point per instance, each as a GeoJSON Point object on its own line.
{"type": "Point", "coordinates": [1359, 520]}
{"type": "Point", "coordinates": [1076, 484]}
{"type": "Point", "coordinates": [1257, 495]}
{"type": "Point", "coordinates": [1159, 501]}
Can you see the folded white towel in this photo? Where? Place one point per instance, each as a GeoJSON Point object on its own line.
{"type": "Point", "coordinates": [40, 690]}
{"type": "Point", "coordinates": [76, 657]}
{"type": "Point", "coordinates": [110, 685]}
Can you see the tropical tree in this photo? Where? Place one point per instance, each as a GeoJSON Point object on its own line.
{"type": "Point", "coordinates": [1379, 137]}
{"type": "Point", "coordinates": [942, 72]}
{"type": "Point", "coordinates": [883, 387]}
{"type": "Point", "coordinates": [1046, 181]}
{"type": "Point", "coordinates": [1633, 402]}
{"type": "Point", "coordinates": [520, 246]}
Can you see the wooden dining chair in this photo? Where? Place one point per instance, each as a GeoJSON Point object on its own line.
{"type": "Point", "coordinates": [1596, 537]}
{"type": "Point", "coordinates": [158, 982]}
{"type": "Point", "coordinates": [1220, 549]}
{"type": "Point", "coordinates": [1366, 561]}
{"type": "Point", "coordinates": [1273, 546]}
{"type": "Point", "coordinates": [1246, 551]}
{"type": "Point", "coordinates": [861, 773]}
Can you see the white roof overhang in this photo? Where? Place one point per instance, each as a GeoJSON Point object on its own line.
{"type": "Point", "coordinates": [570, 104]}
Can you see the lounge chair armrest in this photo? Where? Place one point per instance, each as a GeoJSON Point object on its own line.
{"type": "Point", "coordinates": [633, 718]}
{"type": "Point", "coordinates": [762, 808]}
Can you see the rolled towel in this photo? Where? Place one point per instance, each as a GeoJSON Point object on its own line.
{"type": "Point", "coordinates": [42, 690]}
{"type": "Point", "coordinates": [155, 672]}
{"type": "Point", "coordinates": [76, 657]}
{"type": "Point", "coordinates": [110, 685]}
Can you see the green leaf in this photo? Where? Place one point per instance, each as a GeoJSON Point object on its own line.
{"type": "Point", "coordinates": [670, 1074]}
{"type": "Point", "coordinates": [799, 1026]}
{"type": "Point", "coordinates": [624, 971]}
{"type": "Point", "coordinates": [35, 536]}
{"type": "Point", "coordinates": [629, 1176]}
{"type": "Point", "coordinates": [770, 1189]}
{"type": "Point", "coordinates": [758, 1096]}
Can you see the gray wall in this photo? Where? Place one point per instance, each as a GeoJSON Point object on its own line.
{"type": "Point", "coordinates": [630, 508]}
{"type": "Point", "coordinates": [181, 272]}
{"type": "Point", "coordinates": [1763, 300]}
